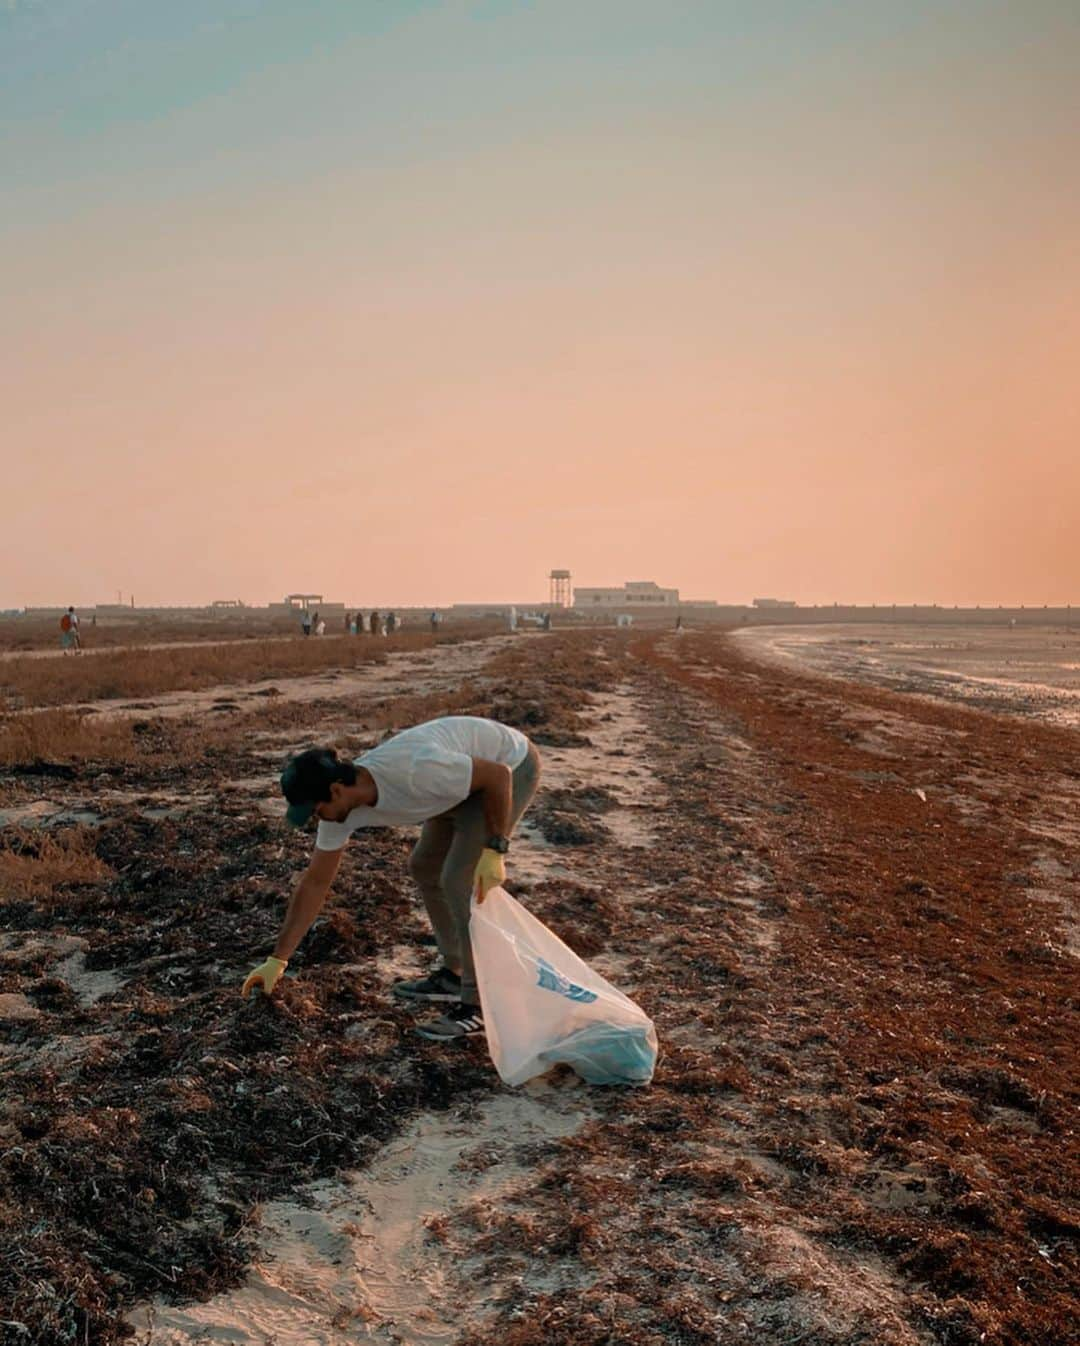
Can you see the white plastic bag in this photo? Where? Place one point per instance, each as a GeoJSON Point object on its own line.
{"type": "Point", "coordinates": [544, 1006]}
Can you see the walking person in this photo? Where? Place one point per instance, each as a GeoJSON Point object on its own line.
{"type": "Point", "coordinates": [69, 632]}
{"type": "Point", "coordinates": [467, 780]}
{"type": "Point", "coordinates": [376, 623]}
{"type": "Point", "coordinates": [391, 623]}
{"type": "Point", "coordinates": [305, 622]}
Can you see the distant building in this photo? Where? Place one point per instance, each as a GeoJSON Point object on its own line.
{"type": "Point", "coordinates": [774, 602]}
{"type": "Point", "coordinates": [638, 594]}
{"type": "Point", "coordinates": [479, 610]}
{"type": "Point", "coordinates": [294, 605]}
{"type": "Point", "coordinates": [303, 602]}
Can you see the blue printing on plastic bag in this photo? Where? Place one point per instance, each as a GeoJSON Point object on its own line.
{"type": "Point", "coordinates": [606, 1054]}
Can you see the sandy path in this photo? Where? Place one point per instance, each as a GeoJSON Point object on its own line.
{"type": "Point", "coordinates": [370, 1257]}
{"type": "Point", "coordinates": [415, 672]}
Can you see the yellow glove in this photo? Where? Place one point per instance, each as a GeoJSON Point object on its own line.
{"type": "Point", "coordinates": [265, 976]}
{"type": "Point", "coordinates": [490, 873]}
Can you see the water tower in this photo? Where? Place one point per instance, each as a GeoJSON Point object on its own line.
{"type": "Point", "coordinates": [560, 588]}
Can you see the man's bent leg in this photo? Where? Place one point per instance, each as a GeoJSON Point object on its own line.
{"type": "Point", "coordinates": [426, 865]}
{"type": "Point", "coordinates": [470, 833]}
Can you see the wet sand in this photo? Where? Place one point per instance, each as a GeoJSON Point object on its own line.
{"type": "Point", "coordinates": [1032, 671]}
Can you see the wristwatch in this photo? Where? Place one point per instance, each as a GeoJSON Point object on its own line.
{"type": "Point", "coordinates": [500, 844]}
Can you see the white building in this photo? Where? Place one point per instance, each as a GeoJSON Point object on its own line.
{"type": "Point", "coordinates": [637, 595]}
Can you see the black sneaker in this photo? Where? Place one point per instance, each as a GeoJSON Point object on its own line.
{"type": "Point", "coordinates": [439, 985]}
{"type": "Point", "coordinates": [463, 1021]}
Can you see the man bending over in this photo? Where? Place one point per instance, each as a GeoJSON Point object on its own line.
{"type": "Point", "coordinates": [467, 781]}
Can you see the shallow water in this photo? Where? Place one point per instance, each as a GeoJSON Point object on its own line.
{"type": "Point", "coordinates": [1033, 672]}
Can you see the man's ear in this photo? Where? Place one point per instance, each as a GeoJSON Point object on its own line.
{"type": "Point", "coordinates": [336, 791]}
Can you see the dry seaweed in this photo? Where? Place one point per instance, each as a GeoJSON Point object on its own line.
{"type": "Point", "coordinates": [862, 1128]}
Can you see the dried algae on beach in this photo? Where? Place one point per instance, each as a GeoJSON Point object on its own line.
{"type": "Point", "coordinates": [862, 1126]}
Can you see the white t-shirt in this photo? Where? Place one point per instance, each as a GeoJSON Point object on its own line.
{"type": "Point", "coordinates": [424, 771]}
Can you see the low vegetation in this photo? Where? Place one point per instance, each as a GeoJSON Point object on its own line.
{"type": "Point", "coordinates": [36, 864]}
{"type": "Point", "coordinates": [24, 633]}
{"type": "Point", "coordinates": [64, 737]}
{"type": "Point", "coordinates": [29, 682]}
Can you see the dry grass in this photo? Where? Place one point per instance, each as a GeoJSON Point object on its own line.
{"type": "Point", "coordinates": [65, 736]}
{"type": "Point", "coordinates": [146, 672]}
{"type": "Point", "coordinates": [43, 633]}
{"type": "Point", "coordinates": [19, 634]}
{"type": "Point", "coordinates": [33, 864]}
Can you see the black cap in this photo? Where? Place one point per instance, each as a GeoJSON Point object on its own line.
{"type": "Point", "coordinates": [306, 781]}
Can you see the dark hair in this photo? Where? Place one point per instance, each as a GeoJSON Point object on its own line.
{"type": "Point", "coordinates": [308, 776]}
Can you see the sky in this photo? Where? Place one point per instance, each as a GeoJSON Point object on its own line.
{"type": "Point", "coordinates": [408, 303]}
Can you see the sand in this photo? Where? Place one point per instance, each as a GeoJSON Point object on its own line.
{"type": "Point", "coordinates": [371, 1257]}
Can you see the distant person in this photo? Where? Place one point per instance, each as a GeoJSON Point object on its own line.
{"type": "Point", "coordinates": [357, 624]}
{"type": "Point", "coordinates": [545, 625]}
{"type": "Point", "coordinates": [391, 623]}
{"type": "Point", "coordinates": [678, 623]}
{"type": "Point", "coordinates": [511, 618]}
{"type": "Point", "coordinates": [305, 622]}
{"type": "Point", "coordinates": [69, 632]}
{"type": "Point", "coordinates": [434, 620]}
{"type": "Point", "coordinates": [348, 622]}
{"type": "Point", "coordinates": [375, 623]}
{"type": "Point", "coordinates": [320, 625]}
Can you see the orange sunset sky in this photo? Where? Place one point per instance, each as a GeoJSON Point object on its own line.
{"type": "Point", "coordinates": [407, 303]}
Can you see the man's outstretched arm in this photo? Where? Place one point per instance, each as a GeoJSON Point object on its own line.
{"type": "Point", "coordinates": [305, 904]}
{"type": "Point", "coordinates": [307, 901]}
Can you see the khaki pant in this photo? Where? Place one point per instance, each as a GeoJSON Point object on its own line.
{"type": "Point", "coordinates": [443, 862]}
